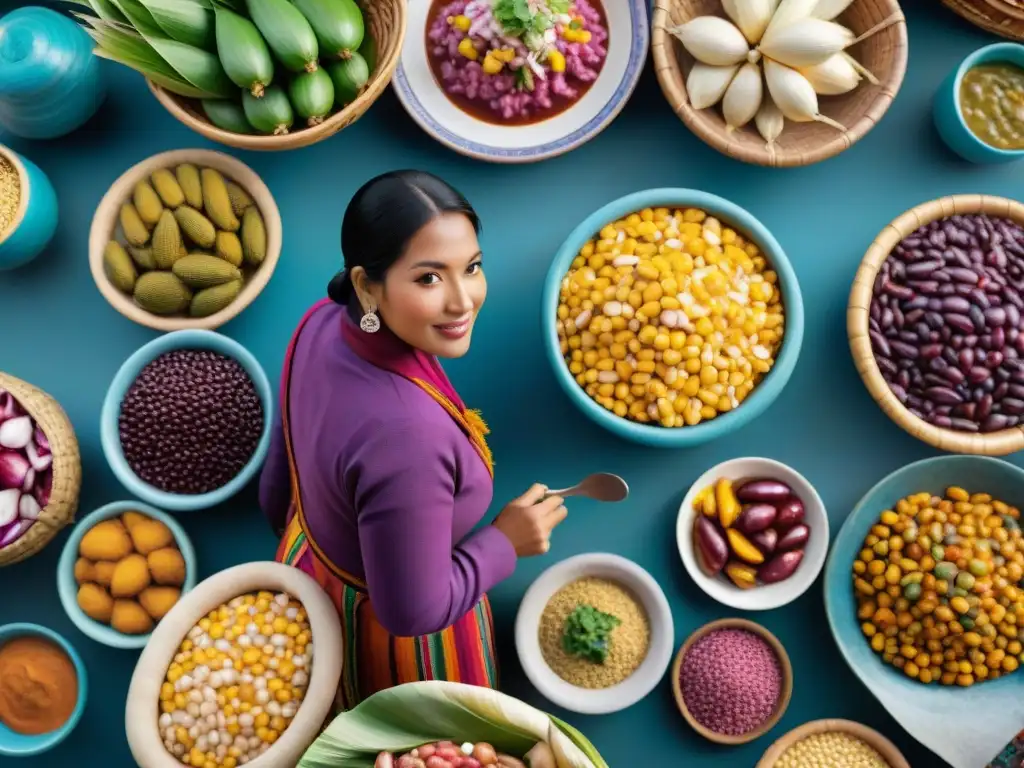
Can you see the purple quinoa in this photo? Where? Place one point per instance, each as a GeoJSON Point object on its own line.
{"type": "Point", "coordinates": [517, 68]}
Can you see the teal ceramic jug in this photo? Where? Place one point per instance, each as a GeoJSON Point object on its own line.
{"type": "Point", "coordinates": [50, 83]}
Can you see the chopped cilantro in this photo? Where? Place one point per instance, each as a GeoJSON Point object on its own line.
{"type": "Point", "coordinates": [587, 633]}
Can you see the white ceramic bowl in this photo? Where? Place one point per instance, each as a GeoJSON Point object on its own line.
{"type": "Point", "coordinates": [763, 597]}
{"type": "Point", "coordinates": [427, 104]}
{"type": "Point", "coordinates": [633, 578]}
{"type": "Point", "coordinates": [141, 712]}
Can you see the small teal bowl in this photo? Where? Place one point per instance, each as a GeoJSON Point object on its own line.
{"type": "Point", "coordinates": [35, 221]}
{"type": "Point", "coordinates": [764, 393]}
{"type": "Point", "coordinates": [110, 437]}
{"type": "Point", "coordinates": [949, 121]}
{"type": "Point", "coordinates": [67, 587]}
{"type": "Point", "coordinates": [19, 745]}
{"type": "Point", "coordinates": [962, 708]}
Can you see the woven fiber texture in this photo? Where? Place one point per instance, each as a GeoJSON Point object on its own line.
{"type": "Point", "coordinates": [385, 22]}
{"type": "Point", "coordinates": [883, 53]}
{"type": "Point", "coordinates": [1000, 17]}
{"type": "Point", "coordinates": [67, 469]}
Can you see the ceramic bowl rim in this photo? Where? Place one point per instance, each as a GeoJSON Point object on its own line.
{"type": "Point", "coordinates": [890, 752]}
{"type": "Point", "coordinates": [980, 56]}
{"type": "Point", "coordinates": [44, 742]}
{"type": "Point", "coordinates": [637, 58]}
{"type": "Point", "coordinates": [780, 653]}
{"type": "Point", "coordinates": [126, 375]}
{"type": "Point", "coordinates": [808, 570]}
{"type": "Point", "coordinates": [67, 588]}
{"type": "Point", "coordinates": [546, 681]}
{"type": "Point", "coordinates": [762, 396]}
{"type": "Point", "coordinates": [8, 154]}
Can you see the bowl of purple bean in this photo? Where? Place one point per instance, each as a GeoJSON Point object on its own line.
{"type": "Point", "coordinates": [186, 421]}
{"type": "Point", "coordinates": [936, 323]}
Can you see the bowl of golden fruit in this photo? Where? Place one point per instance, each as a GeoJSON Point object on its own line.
{"type": "Point", "coordinates": [123, 568]}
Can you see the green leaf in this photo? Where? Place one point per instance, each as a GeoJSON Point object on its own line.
{"type": "Point", "coordinates": [137, 15]}
{"type": "Point", "coordinates": [201, 68]}
{"type": "Point", "coordinates": [402, 718]}
{"type": "Point", "coordinates": [187, 21]}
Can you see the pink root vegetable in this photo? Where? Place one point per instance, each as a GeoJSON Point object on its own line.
{"type": "Point", "coordinates": [14, 469]}
{"type": "Point", "coordinates": [11, 533]}
{"type": "Point", "coordinates": [9, 505]}
{"type": "Point", "coordinates": [384, 760]}
{"type": "Point", "coordinates": [42, 444]}
{"type": "Point", "coordinates": [9, 407]}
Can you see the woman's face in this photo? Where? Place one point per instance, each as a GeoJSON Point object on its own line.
{"type": "Point", "coordinates": [430, 297]}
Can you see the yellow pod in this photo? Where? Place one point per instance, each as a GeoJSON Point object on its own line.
{"type": "Point", "coordinates": [725, 500]}
{"type": "Point", "coordinates": [743, 548]}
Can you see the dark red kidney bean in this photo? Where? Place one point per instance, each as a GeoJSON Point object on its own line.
{"type": "Point", "coordinates": [768, 491]}
{"type": "Point", "coordinates": [780, 567]}
{"type": "Point", "coordinates": [885, 365]}
{"type": "Point", "coordinates": [994, 359]}
{"type": "Point", "coordinates": [954, 375]}
{"type": "Point", "coordinates": [943, 395]}
{"type": "Point", "coordinates": [931, 351]}
{"type": "Point", "coordinates": [756, 518]}
{"type": "Point", "coordinates": [1015, 390]}
{"type": "Point", "coordinates": [1012, 406]}
{"type": "Point", "coordinates": [934, 320]}
{"type": "Point", "coordinates": [909, 336]}
{"type": "Point", "coordinates": [955, 304]}
{"type": "Point", "coordinates": [919, 302]}
{"type": "Point", "coordinates": [922, 268]}
{"type": "Point", "coordinates": [977, 317]}
{"type": "Point", "coordinates": [790, 512]}
{"type": "Point", "coordinates": [996, 422]}
{"type": "Point", "coordinates": [977, 374]}
{"type": "Point", "coordinates": [879, 344]}
{"type": "Point", "coordinates": [903, 349]}
{"type": "Point", "coordinates": [923, 286]}
{"type": "Point", "coordinates": [796, 537]}
{"type": "Point", "coordinates": [959, 322]}
{"type": "Point", "coordinates": [765, 540]}
{"type": "Point", "coordinates": [1000, 391]}
{"type": "Point", "coordinates": [898, 291]}
{"type": "Point", "coordinates": [963, 425]}
{"type": "Point", "coordinates": [903, 379]}
{"type": "Point", "coordinates": [900, 392]}
{"type": "Point", "coordinates": [998, 338]}
{"type": "Point", "coordinates": [984, 407]}
{"type": "Point", "coordinates": [911, 316]}
{"type": "Point", "coordinates": [940, 420]}
{"type": "Point", "coordinates": [963, 275]}
{"type": "Point", "coordinates": [1012, 316]}
{"type": "Point", "coordinates": [711, 548]}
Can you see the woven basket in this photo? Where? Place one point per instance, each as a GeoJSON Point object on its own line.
{"type": "Point", "coordinates": [858, 315]}
{"type": "Point", "coordinates": [67, 469]}
{"type": "Point", "coordinates": [385, 22]}
{"type": "Point", "coordinates": [884, 54]}
{"type": "Point", "coordinates": [1000, 17]}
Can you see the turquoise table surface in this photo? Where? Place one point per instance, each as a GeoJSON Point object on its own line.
{"type": "Point", "coordinates": [58, 333]}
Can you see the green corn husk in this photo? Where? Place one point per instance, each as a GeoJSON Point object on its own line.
{"type": "Point", "coordinates": [187, 21]}
{"type": "Point", "coordinates": [312, 95]}
{"type": "Point", "coordinates": [287, 32]}
{"type": "Point", "coordinates": [338, 25]}
{"type": "Point", "coordinates": [140, 18]}
{"type": "Point", "coordinates": [104, 9]}
{"type": "Point", "coordinates": [122, 44]}
{"type": "Point", "coordinates": [402, 718]}
{"type": "Point", "coordinates": [271, 114]}
{"type": "Point", "coordinates": [243, 52]}
{"type": "Point", "coordinates": [227, 114]}
{"type": "Point", "coordinates": [349, 77]}
{"type": "Point", "coordinates": [199, 67]}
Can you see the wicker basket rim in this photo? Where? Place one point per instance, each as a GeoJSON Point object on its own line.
{"type": "Point", "coordinates": [858, 308]}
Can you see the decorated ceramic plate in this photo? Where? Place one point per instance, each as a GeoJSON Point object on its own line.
{"type": "Point", "coordinates": [516, 81]}
{"type": "Point", "coordinates": [977, 721]}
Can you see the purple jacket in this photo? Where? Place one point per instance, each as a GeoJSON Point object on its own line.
{"type": "Point", "coordinates": [391, 486]}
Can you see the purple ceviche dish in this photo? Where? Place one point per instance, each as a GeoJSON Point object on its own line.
{"type": "Point", "coordinates": [517, 61]}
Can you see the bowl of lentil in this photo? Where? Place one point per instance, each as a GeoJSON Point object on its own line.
{"type": "Point", "coordinates": [667, 326]}
{"type": "Point", "coordinates": [28, 210]}
{"type": "Point", "coordinates": [213, 684]}
{"type": "Point", "coordinates": [936, 323]}
{"type": "Point", "coordinates": [594, 633]}
{"type": "Point", "coordinates": [924, 595]}
{"type": "Point", "coordinates": [68, 588]}
{"type": "Point", "coordinates": [732, 681]}
{"type": "Point", "coordinates": [186, 421]}
{"type": "Point", "coordinates": [979, 109]}
{"type": "Point", "coordinates": [802, 537]}
{"type": "Point", "coordinates": [837, 743]}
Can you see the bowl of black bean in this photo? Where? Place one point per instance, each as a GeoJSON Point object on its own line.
{"type": "Point", "coordinates": [186, 421]}
{"type": "Point", "coordinates": [936, 323]}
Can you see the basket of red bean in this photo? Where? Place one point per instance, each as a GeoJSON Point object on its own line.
{"type": "Point", "coordinates": [753, 533]}
{"type": "Point", "coordinates": [936, 323]}
{"type": "Point", "coordinates": [186, 421]}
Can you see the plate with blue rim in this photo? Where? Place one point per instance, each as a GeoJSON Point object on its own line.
{"type": "Point", "coordinates": [965, 726]}
{"type": "Point", "coordinates": [440, 116]}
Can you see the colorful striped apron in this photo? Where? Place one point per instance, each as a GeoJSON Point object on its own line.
{"type": "Point", "coordinates": [374, 658]}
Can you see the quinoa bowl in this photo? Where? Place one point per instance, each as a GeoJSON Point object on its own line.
{"type": "Point", "coordinates": [637, 635]}
{"type": "Point", "coordinates": [157, 411]}
{"type": "Point", "coordinates": [28, 210]}
{"type": "Point", "coordinates": [537, 80]}
{"type": "Point", "coordinates": [651, 364]}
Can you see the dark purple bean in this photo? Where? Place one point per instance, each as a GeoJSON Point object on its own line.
{"type": "Point", "coordinates": [887, 318]}
{"type": "Point", "coordinates": [1012, 406]}
{"type": "Point", "coordinates": [1015, 390]}
{"type": "Point", "coordinates": [994, 359]}
{"type": "Point", "coordinates": [903, 379]}
{"type": "Point", "coordinates": [942, 395]}
{"type": "Point", "coordinates": [918, 302]}
{"type": "Point", "coordinates": [965, 410]}
{"type": "Point", "coordinates": [1000, 391]}
{"type": "Point", "coordinates": [980, 298]}
{"type": "Point", "coordinates": [897, 317]}
{"type": "Point", "coordinates": [904, 350]}
{"type": "Point", "coordinates": [908, 336]}
{"type": "Point", "coordinates": [939, 276]}
{"type": "Point", "coordinates": [934, 380]}
{"type": "Point", "coordinates": [977, 317]}
{"type": "Point", "coordinates": [984, 407]}
{"type": "Point", "coordinates": [954, 375]}
{"type": "Point", "coordinates": [977, 374]}
{"type": "Point", "coordinates": [934, 319]}
{"type": "Point", "coordinates": [996, 422]}
{"type": "Point", "coordinates": [913, 315]}
{"type": "Point", "coordinates": [886, 366]}
{"type": "Point", "coordinates": [898, 291]}
{"type": "Point", "coordinates": [998, 338]}
{"type": "Point", "coordinates": [1012, 316]}
{"type": "Point", "coordinates": [964, 425]}
{"type": "Point", "coordinates": [960, 322]}
{"type": "Point", "coordinates": [956, 304]}
{"type": "Point", "coordinates": [941, 421]}
{"type": "Point", "coordinates": [900, 392]}
{"type": "Point", "coordinates": [923, 268]}
{"type": "Point", "coordinates": [938, 365]}
{"type": "Point", "coordinates": [879, 344]}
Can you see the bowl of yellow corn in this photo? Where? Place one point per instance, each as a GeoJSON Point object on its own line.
{"type": "Point", "coordinates": [230, 677]}
{"type": "Point", "coordinates": [672, 317]}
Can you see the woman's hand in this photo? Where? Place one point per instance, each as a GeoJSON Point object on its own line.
{"type": "Point", "coordinates": [528, 521]}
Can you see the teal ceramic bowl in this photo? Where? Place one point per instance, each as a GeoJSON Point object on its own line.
{"type": "Point", "coordinates": [902, 697]}
{"type": "Point", "coordinates": [67, 587]}
{"type": "Point", "coordinates": [18, 745]}
{"type": "Point", "coordinates": [946, 109]}
{"type": "Point", "coordinates": [129, 371]}
{"type": "Point", "coordinates": [35, 221]}
{"type": "Point", "coordinates": [770, 386]}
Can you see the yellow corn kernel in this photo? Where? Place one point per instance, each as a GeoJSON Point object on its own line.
{"type": "Point", "coordinates": [492, 65]}
{"type": "Point", "coordinates": [556, 60]}
{"type": "Point", "coordinates": [467, 50]}
{"type": "Point", "coordinates": [460, 22]}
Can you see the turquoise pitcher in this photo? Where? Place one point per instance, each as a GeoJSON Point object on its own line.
{"type": "Point", "coordinates": [50, 83]}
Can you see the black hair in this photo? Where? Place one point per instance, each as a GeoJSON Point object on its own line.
{"type": "Point", "coordinates": [383, 216]}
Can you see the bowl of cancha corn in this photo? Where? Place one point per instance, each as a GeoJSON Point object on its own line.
{"type": "Point", "coordinates": [672, 317]}
{"type": "Point", "coordinates": [185, 240]}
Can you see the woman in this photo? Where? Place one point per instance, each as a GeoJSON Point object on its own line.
{"type": "Point", "coordinates": [377, 472]}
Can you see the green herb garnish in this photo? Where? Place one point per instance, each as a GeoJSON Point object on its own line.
{"type": "Point", "coordinates": [524, 79]}
{"type": "Point", "coordinates": [587, 633]}
{"type": "Point", "coordinates": [519, 17]}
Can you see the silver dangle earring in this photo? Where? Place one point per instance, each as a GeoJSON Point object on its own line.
{"type": "Point", "coordinates": [369, 323]}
